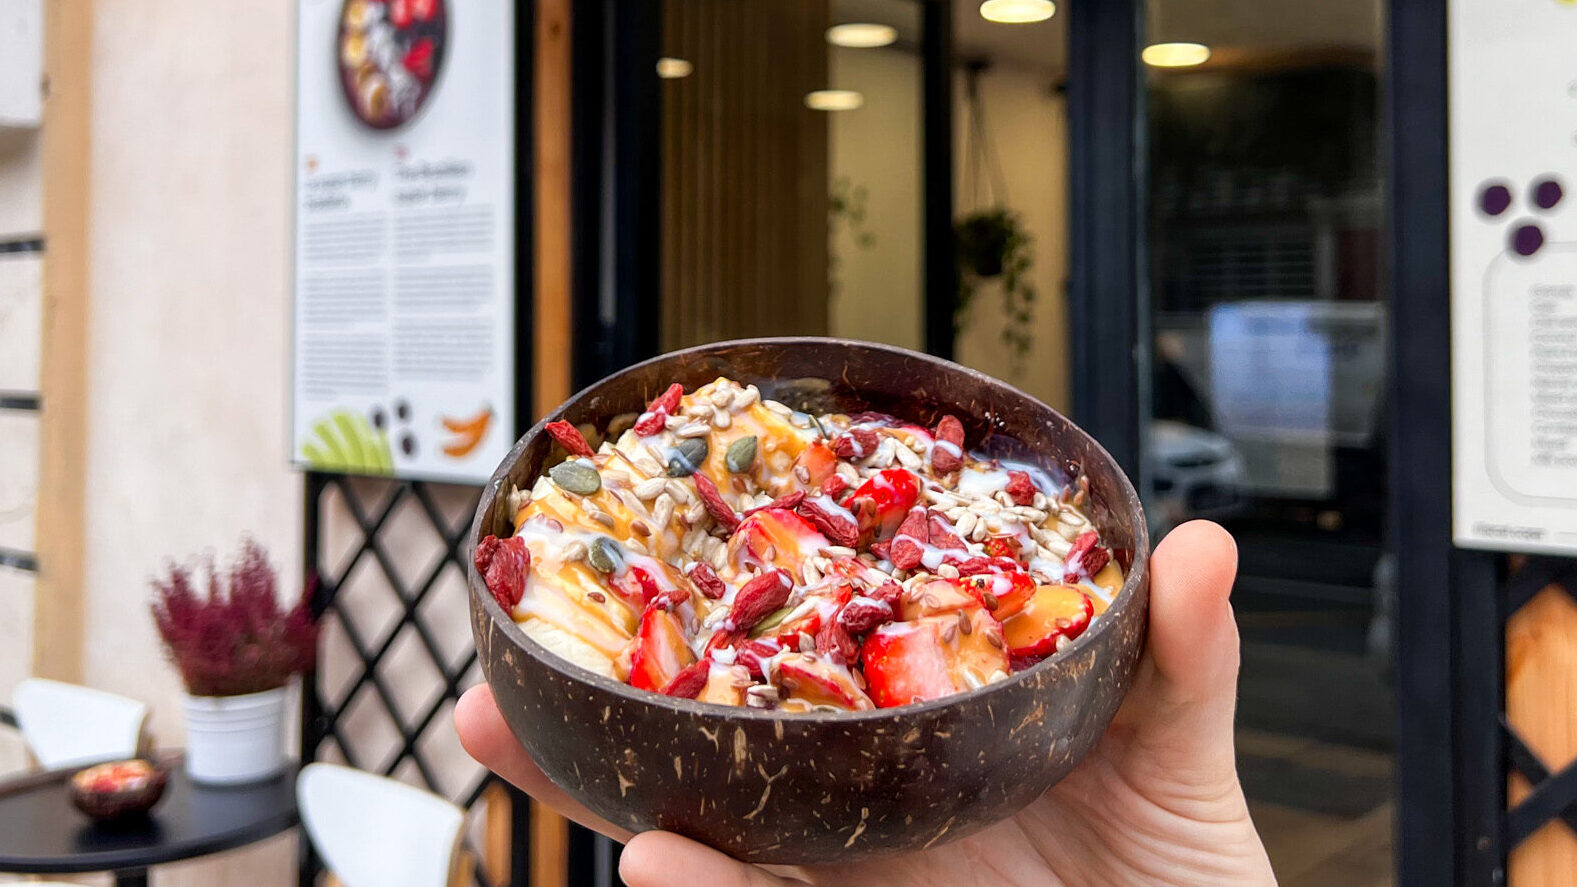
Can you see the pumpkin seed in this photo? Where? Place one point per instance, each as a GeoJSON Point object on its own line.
{"type": "Point", "coordinates": [573, 477]}
{"type": "Point", "coordinates": [687, 456]}
{"type": "Point", "coordinates": [773, 620]}
{"type": "Point", "coordinates": [741, 453]}
{"type": "Point", "coordinates": [604, 555]}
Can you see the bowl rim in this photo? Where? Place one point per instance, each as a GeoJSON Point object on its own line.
{"type": "Point", "coordinates": [1137, 575]}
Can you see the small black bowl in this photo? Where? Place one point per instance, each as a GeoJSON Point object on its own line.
{"type": "Point", "coordinates": [123, 803]}
{"type": "Point", "coordinates": [770, 787]}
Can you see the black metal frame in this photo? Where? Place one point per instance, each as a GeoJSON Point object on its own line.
{"type": "Point", "coordinates": [1108, 303]}
{"type": "Point", "coordinates": [20, 401]}
{"type": "Point", "coordinates": [320, 722]}
{"type": "Point", "coordinates": [940, 289]}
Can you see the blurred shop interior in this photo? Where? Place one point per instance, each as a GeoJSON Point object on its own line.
{"type": "Point", "coordinates": [798, 147]}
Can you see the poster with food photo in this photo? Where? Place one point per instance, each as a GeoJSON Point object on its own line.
{"type": "Point", "coordinates": [404, 237]}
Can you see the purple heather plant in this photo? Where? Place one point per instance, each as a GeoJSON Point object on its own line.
{"type": "Point", "coordinates": [235, 638]}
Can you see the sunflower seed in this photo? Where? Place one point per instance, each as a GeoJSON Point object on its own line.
{"type": "Point", "coordinates": [718, 557]}
{"type": "Point", "coordinates": [994, 637]}
{"type": "Point", "coordinates": [720, 396]}
{"type": "Point", "coordinates": [745, 398]}
{"type": "Point", "coordinates": [663, 511]}
{"type": "Point", "coordinates": [601, 517]}
{"type": "Point", "coordinates": [907, 457]}
{"type": "Point", "coordinates": [807, 644]}
{"type": "Point", "coordinates": [573, 551]}
{"type": "Point", "coordinates": [693, 429]}
{"type": "Point", "coordinates": [695, 513]}
{"type": "Point", "coordinates": [947, 571]}
{"type": "Point", "coordinates": [966, 523]}
{"type": "Point", "coordinates": [1003, 498]}
{"type": "Point", "coordinates": [810, 575]}
{"type": "Point", "coordinates": [721, 418]}
{"type": "Point", "coordinates": [574, 477]}
{"type": "Point", "coordinates": [673, 423]}
{"type": "Point", "coordinates": [974, 681]}
{"type": "Point", "coordinates": [996, 675]}
{"type": "Point", "coordinates": [776, 407]}
{"type": "Point", "coordinates": [648, 489]}
{"type": "Point", "coordinates": [604, 555]}
{"type": "Point", "coordinates": [984, 507]}
{"type": "Point", "coordinates": [836, 551]}
{"type": "Point", "coordinates": [636, 546]}
{"type": "Point", "coordinates": [680, 492]}
{"type": "Point", "coordinates": [639, 528]}
{"type": "Point", "coordinates": [1038, 502]}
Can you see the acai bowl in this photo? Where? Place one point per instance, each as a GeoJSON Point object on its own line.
{"type": "Point", "coordinates": [912, 689]}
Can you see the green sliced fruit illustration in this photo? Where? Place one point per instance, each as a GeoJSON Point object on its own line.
{"type": "Point", "coordinates": [343, 441]}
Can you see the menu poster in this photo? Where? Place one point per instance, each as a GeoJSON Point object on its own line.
{"type": "Point", "coordinates": [404, 237]}
{"type": "Point", "coordinates": [1513, 149]}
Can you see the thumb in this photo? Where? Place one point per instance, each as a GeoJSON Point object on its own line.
{"type": "Point", "coordinates": [1181, 706]}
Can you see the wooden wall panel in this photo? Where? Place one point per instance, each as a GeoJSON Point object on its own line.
{"type": "Point", "coordinates": [1541, 705]}
{"type": "Point", "coordinates": [744, 191]}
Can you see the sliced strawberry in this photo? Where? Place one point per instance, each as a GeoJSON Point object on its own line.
{"type": "Point", "coordinates": [939, 596]}
{"type": "Point", "coordinates": [660, 651]}
{"type": "Point", "coordinates": [424, 9]}
{"type": "Point", "coordinates": [419, 60]}
{"type": "Point", "coordinates": [754, 653]}
{"type": "Point", "coordinates": [818, 682]}
{"type": "Point", "coordinates": [503, 565]}
{"type": "Point", "coordinates": [892, 492]}
{"type": "Point", "coordinates": [776, 537]}
{"type": "Point", "coordinates": [1002, 593]}
{"type": "Point", "coordinates": [637, 586]}
{"type": "Point", "coordinates": [400, 13]}
{"type": "Point", "coordinates": [1002, 546]}
{"type": "Point", "coordinates": [724, 686]}
{"type": "Point", "coordinates": [819, 462]}
{"type": "Point", "coordinates": [973, 655]}
{"type": "Point", "coordinates": [1053, 612]}
{"type": "Point", "coordinates": [904, 663]}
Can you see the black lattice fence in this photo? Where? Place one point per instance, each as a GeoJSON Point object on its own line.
{"type": "Point", "coordinates": [396, 652]}
{"type": "Point", "coordinates": [1553, 795]}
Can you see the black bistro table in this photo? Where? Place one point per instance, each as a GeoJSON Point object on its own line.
{"type": "Point", "coordinates": [41, 833]}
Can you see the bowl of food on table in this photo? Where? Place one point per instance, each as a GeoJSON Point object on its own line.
{"type": "Point", "coordinates": [807, 599]}
{"type": "Point", "coordinates": [118, 791]}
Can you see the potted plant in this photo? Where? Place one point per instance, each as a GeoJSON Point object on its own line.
{"type": "Point", "coordinates": [236, 649]}
{"type": "Point", "coordinates": [992, 244]}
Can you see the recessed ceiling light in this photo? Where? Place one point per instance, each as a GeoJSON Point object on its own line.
{"type": "Point", "coordinates": [673, 69]}
{"type": "Point", "coordinates": [1175, 55]}
{"type": "Point", "coordinates": [833, 100]}
{"type": "Point", "coordinates": [1017, 12]}
{"type": "Point", "coordinates": [861, 35]}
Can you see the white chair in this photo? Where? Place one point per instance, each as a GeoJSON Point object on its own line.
{"type": "Point", "coordinates": [376, 832]}
{"type": "Point", "coordinates": [64, 724]}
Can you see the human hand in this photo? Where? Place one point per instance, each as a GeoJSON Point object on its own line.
{"type": "Point", "coordinates": [1157, 802]}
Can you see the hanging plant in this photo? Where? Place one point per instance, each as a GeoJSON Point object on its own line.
{"type": "Point", "coordinates": [993, 245]}
{"type": "Point", "coordinates": [846, 206]}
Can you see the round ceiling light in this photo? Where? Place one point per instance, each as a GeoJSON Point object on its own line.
{"type": "Point", "coordinates": [1017, 12]}
{"type": "Point", "coordinates": [1175, 55]}
{"type": "Point", "coordinates": [672, 69]}
{"type": "Point", "coordinates": [833, 100]}
{"type": "Point", "coordinates": [861, 35]}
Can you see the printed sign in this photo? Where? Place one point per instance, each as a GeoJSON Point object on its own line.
{"type": "Point", "coordinates": [1513, 147]}
{"type": "Point", "coordinates": [404, 237]}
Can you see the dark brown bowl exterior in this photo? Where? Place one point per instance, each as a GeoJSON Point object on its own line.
{"type": "Point", "coordinates": [124, 804]}
{"type": "Point", "coordinates": [815, 788]}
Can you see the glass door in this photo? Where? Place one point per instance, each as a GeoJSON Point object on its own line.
{"type": "Point", "coordinates": [1267, 322]}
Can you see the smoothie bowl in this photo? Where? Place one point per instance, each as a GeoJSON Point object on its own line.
{"type": "Point", "coordinates": [807, 600]}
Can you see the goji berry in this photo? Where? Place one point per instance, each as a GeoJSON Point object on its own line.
{"type": "Point", "coordinates": [503, 565]}
{"type": "Point", "coordinates": [569, 437]}
{"type": "Point", "coordinates": [856, 444]}
{"type": "Point", "coordinates": [759, 597]}
{"type": "Point", "coordinates": [706, 581]}
{"type": "Point", "coordinates": [725, 515]}
{"type": "Point", "coordinates": [1021, 487]}
{"type": "Point", "coordinates": [690, 681]}
{"type": "Point", "coordinates": [947, 453]}
{"type": "Point", "coordinates": [839, 526]}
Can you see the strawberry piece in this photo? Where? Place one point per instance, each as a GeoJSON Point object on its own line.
{"type": "Point", "coordinates": [1085, 558]}
{"type": "Point", "coordinates": [1052, 613]}
{"type": "Point", "coordinates": [892, 492]}
{"type": "Point", "coordinates": [637, 586]}
{"type": "Point", "coordinates": [939, 597]}
{"type": "Point", "coordinates": [400, 13]}
{"type": "Point", "coordinates": [690, 681]}
{"type": "Point", "coordinates": [856, 444]}
{"type": "Point", "coordinates": [835, 486]}
{"type": "Point", "coordinates": [819, 682]}
{"type": "Point", "coordinates": [862, 614]}
{"type": "Point", "coordinates": [1002, 546]}
{"type": "Point", "coordinates": [705, 580]}
{"type": "Point", "coordinates": [787, 501]}
{"type": "Point", "coordinates": [836, 642]}
{"type": "Point", "coordinates": [660, 651]}
{"type": "Point", "coordinates": [776, 537]}
{"type": "Point", "coordinates": [424, 9]}
{"type": "Point", "coordinates": [889, 593]}
{"type": "Point", "coordinates": [834, 522]}
{"type": "Point", "coordinates": [904, 663]}
{"type": "Point", "coordinates": [1003, 594]}
{"type": "Point", "coordinates": [657, 413]}
{"type": "Point", "coordinates": [908, 546]}
{"type": "Point", "coordinates": [947, 453]}
{"type": "Point", "coordinates": [752, 655]}
{"type": "Point", "coordinates": [1021, 487]}
{"type": "Point", "coordinates": [758, 597]}
{"type": "Point", "coordinates": [569, 437]}
{"type": "Point", "coordinates": [819, 462]}
{"type": "Point", "coordinates": [419, 60]}
{"type": "Point", "coordinates": [721, 511]}
{"type": "Point", "coordinates": [503, 565]}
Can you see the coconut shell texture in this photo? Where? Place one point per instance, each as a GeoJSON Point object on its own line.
{"type": "Point", "coordinates": [823, 787]}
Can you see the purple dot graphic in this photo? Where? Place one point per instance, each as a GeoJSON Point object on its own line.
{"type": "Point", "coordinates": [1527, 239]}
{"type": "Point", "coordinates": [1547, 193]}
{"type": "Point", "coordinates": [1494, 199]}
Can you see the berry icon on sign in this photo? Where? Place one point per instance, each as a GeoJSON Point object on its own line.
{"type": "Point", "coordinates": [1495, 198]}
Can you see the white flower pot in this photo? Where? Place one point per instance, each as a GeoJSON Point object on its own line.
{"type": "Point", "coordinates": [235, 739]}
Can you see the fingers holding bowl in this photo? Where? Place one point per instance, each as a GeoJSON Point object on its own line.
{"type": "Point", "coordinates": [487, 738]}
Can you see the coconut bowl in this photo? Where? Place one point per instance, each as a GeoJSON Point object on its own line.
{"type": "Point", "coordinates": [771, 787]}
{"type": "Point", "coordinates": [104, 794]}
